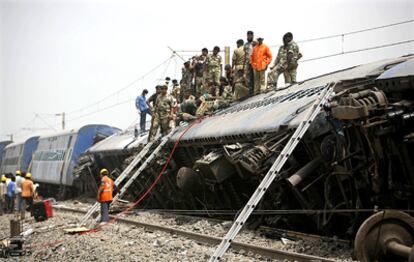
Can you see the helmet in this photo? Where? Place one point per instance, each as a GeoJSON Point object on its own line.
{"type": "Point", "coordinates": [3, 178]}
{"type": "Point", "coordinates": [18, 172]}
{"type": "Point", "coordinates": [104, 171]}
{"type": "Point", "coordinates": [28, 175]}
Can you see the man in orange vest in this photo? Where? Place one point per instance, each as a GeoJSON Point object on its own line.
{"type": "Point", "coordinates": [104, 195]}
{"type": "Point", "coordinates": [260, 59]}
{"type": "Point", "coordinates": [28, 193]}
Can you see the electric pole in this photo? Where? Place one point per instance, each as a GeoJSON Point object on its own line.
{"type": "Point", "coordinates": [63, 119]}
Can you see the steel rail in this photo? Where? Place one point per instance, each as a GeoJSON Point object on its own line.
{"type": "Point", "coordinates": [236, 245]}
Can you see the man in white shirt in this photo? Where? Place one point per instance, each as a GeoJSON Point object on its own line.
{"type": "Point", "coordinates": [18, 190]}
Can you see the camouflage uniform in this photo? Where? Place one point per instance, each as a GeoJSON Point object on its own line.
{"type": "Point", "coordinates": [240, 88]}
{"type": "Point", "coordinates": [206, 107]}
{"type": "Point", "coordinates": [176, 93]}
{"type": "Point", "coordinates": [199, 75]}
{"type": "Point", "coordinates": [238, 60]}
{"type": "Point", "coordinates": [213, 67]}
{"type": "Point", "coordinates": [248, 50]}
{"type": "Point", "coordinates": [281, 64]}
{"type": "Point", "coordinates": [225, 98]}
{"type": "Point", "coordinates": [165, 106]}
{"type": "Point", "coordinates": [187, 111]}
{"type": "Point", "coordinates": [187, 77]}
{"type": "Point", "coordinates": [154, 118]}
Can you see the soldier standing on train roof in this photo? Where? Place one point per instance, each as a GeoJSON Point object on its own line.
{"type": "Point", "coordinates": [213, 66]}
{"type": "Point", "coordinates": [164, 110]}
{"type": "Point", "coordinates": [152, 103]}
{"type": "Point", "coordinates": [248, 70]}
{"type": "Point", "coordinates": [286, 62]}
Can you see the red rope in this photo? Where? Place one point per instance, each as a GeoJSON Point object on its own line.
{"type": "Point", "coordinates": [153, 184]}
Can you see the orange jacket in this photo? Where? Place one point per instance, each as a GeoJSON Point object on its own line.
{"type": "Point", "coordinates": [261, 57]}
{"type": "Point", "coordinates": [106, 187]}
{"type": "Point", "coordinates": [27, 188]}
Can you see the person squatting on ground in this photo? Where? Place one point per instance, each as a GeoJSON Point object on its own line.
{"type": "Point", "coordinates": [286, 62]}
{"type": "Point", "coordinates": [143, 108]}
{"type": "Point", "coordinates": [104, 195]}
{"type": "Point", "coordinates": [260, 59]}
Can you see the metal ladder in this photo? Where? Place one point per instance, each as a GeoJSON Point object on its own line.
{"type": "Point", "coordinates": [272, 173]}
{"type": "Point", "coordinates": [128, 170]}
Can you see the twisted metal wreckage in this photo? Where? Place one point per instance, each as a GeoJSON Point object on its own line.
{"type": "Point", "coordinates": [355, 159]}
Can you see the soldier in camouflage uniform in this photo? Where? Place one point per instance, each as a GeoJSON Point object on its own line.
{"type": "Point", "coordinates": [175, 92]}
{"type": "Point", "coordinates": [286, 62]}
{"type": "Point", "coordinates": [186, 80]}
{"type": "Point", "coordinates": [164, 110]}
{"type": "Point", "coordinates": [199, 72]}
{"type": "Point", "coordinates": [187, 110]}
{"type": "Point", "coordinates": [238, 60]}
{"type": "Point", "coordinates": [248, 70]}
{"type": "Point", "coordinates": [152, 102]}
{"type": "Point", "coordinates": [240, 86]}
{"type": "Point", "coordinates": [224, 95]}
{"type": "Point", "coordinates": [213, 66]}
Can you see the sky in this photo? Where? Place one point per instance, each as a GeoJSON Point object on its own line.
{"type": "Point", "coordinates": [87, 57]}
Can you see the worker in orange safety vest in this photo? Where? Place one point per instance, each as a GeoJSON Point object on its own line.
{"type": "Point", "coordinates": [104, 195]}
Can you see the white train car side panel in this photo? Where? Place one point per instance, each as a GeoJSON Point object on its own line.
{"type": "Point", "coordinates": [50, 159]}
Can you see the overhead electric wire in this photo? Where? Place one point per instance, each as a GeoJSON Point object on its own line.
{"type": "Point", "coordinates": [121, 89]}
{"type": "Point", "coordinates": [358, 50]}
{"type": "Point", "coordinates": [351, 32]}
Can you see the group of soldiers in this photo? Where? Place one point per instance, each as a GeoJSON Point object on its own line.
{"type": "Point", "coordinates": [247, 70]}
{"type": "Point", "coordinates": [204, 87]}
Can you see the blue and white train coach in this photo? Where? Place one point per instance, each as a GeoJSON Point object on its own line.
{"type": "Point", "coordinates": [17, 156]}
{"type": "Point", "coordinates": [56, 155]}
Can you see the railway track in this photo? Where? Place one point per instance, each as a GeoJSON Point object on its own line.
{"type": "Point", "coordinates": [212, 240]}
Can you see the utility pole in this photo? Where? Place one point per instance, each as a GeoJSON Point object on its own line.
{"type": "Point", "coordinates": [11, 137]}
{"type": "Point", "coordinates": [63, 119]}
{"type": "Point", "coordinates": [227, 55]}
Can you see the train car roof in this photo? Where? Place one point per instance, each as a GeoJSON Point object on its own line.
{"type": "Point", "coordinates": [403, 69]}
{"type": "Point", "coordinates": [20, 143]}
{"type": "Point", "coordinates": [74, 131]}
{"type": "Point", "coordinates": [5, 143]}
{"type": "Point", "coordinates": [120, 141]}
{"type": "Point", "coordinates": [267, 112]}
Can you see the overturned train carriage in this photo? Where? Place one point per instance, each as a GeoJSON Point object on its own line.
{"type": "Point", "coordinates": [357, 155]}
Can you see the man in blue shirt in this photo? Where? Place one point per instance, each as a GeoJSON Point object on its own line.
{"type": "Point", "coordinates": [10, 195]}
{"type": "Point", "coordinates": [142, 106]}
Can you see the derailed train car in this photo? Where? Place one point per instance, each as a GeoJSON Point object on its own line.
{"type": "Point", "coordinates": [110, 153]}
{"type": "Point", "coordinates": [3, 144]}
{"type": "Point", "coordinates": [57, 154]}
{"type": "Point", "coordinates": [17, 156]}
{"type": "Point", "coordinates": [356, 158]}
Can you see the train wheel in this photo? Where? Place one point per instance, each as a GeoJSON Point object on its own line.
{"type": "Point", "coordinates": [386, 236]}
